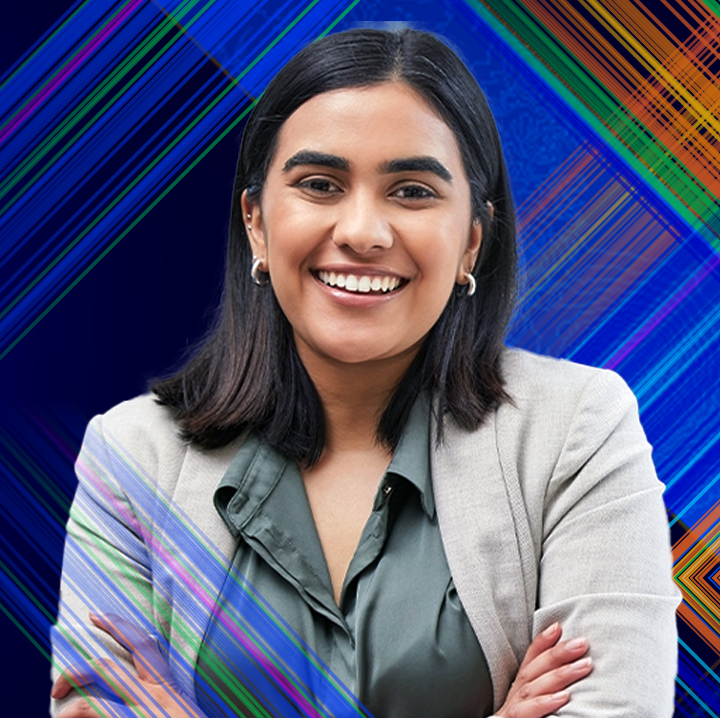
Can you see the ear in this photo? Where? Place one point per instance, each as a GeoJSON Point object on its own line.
{"type": "Point", "coordinates": [472, 249]}
{"type": "Point", "coordinates": [252, 218]}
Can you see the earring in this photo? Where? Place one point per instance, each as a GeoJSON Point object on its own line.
{"type": "Point", "coordinates": [472, 284]}
{"type": "Point", "coordinates": [255, 273]}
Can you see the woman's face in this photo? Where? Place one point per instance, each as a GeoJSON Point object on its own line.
{"type": "Point", "coordinates": [364, 223]}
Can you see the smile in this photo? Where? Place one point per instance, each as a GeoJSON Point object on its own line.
{"type": "Point", "coordinates": [359, 283]}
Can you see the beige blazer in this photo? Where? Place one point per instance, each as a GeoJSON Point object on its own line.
{"type": "Point", "coordinates": [550, 511]}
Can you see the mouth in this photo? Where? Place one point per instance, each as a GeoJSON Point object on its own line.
{"type": "Point", "coordinates": [361, 283]}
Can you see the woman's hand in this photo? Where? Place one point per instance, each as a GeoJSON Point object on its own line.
{"type": "Point", "coordinates": [150, 691]}
{"type": "Point", "coordinates": [549, 667]}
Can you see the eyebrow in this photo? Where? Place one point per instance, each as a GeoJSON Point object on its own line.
{"type": "Point", "coordinates": [322, 159]}
{"type": "Point", "coordinates": [404, 164]}
{"type": "Point", "coordinates": [418, 164]}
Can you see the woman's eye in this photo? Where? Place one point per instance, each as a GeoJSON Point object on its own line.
{"type": "Point", "coordinates": [318, 185]}
{"type": "Point", "coordinates": [414, 192]}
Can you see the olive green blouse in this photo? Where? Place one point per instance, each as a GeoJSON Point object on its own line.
{"type": "Point", "coordinates": [399, 640]}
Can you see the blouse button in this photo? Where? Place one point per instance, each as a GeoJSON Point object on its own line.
{"type": "Point", "coordinates": [387, 489]}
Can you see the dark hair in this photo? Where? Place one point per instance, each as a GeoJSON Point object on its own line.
{"type": "Point", "coordinates": [247, 374]}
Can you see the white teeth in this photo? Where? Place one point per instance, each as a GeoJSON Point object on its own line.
{"type": "Point", "coordinates": [362, 284]}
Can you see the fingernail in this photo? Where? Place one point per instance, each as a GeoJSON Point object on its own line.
{"type": "Point", "coordinates": [576, 644]}
{"type": "Point", "coordinates": [582, 664]}
{"type": "Point", "coordinates": [555, 697]}
{"type": "Point", "coordinates": [550, 630]}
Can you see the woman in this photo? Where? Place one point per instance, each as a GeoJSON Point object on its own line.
{"type": "Point", "coordinates": [415, 500]}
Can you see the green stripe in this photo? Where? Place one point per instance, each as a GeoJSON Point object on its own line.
{"type": "Point", "coordinates": [601, 110]}
{"type": "Point", "coordinates": [45, 44]}
{"type": "Point", "coordinates": [213, 553]}
{"type": "Point", "coordinates": [338, 19]}
{"type": "Point", "coordinates": [115, 201]}
{"type": "Point", "coordinates": [119, 197]}
{"type": "Point", "coordinates": [24, 631]}
{"type": "Point", "coordinates": [130, 227]}
{"type": "Point", "coordinates": [106, 554]}
{"type": "Point", "coordinates": [48, 614]}
{"type": "Point", "coordinates": [87, 105]}
{"type": "Point", "coordinates": [47, 486]}
{"type": "Point", "coordinates": [63, 66]}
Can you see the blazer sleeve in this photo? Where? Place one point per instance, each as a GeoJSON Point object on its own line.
{"type": "Point", "coordinates": [605, 565]}
{"type": "Point", "coordinates": [106, 566]}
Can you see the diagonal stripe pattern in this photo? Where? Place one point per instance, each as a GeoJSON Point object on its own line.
{"type": "Point", "coordinates": [697, 563]}
{"type": "Point", "coordinates": [647, 81]}
{"type": "Point", "coordinates": [127, 83]}
{"type": "Point", "coordinates": [619, 241]}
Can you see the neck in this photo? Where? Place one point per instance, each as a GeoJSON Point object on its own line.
{"type": "Point", "coordinates": [354, 396]}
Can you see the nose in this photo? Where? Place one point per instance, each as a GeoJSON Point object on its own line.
{"type": "Point", "coordinates": [361, 225]}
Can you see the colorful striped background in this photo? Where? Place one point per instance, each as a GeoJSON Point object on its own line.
{"type": "Point", "coordinates": [610, 116]}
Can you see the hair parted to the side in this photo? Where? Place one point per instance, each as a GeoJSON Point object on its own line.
{"type": "Point", "coordinates": [247, 374]}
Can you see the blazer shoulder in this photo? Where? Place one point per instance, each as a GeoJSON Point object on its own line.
{"type": "Point", "coordinates": [553, 401]}
{"type": "Point", "coordinates": [548, 383]}
{"type": "Point", "coordinates": [138, 433]}
{"type": "Point", "coordinates": [143, 434]}
{"type": "Point", "coordinates": [140, 414]}
{"type": "Point", "coordinates": [142, 423]}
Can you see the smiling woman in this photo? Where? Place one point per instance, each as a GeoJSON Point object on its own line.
{"type": "Point", "coordinates": [410, 73]}
{"type": "Point", "coordinates": [350, 194]}
{"type": "Point", "coordinates": [426, 510]}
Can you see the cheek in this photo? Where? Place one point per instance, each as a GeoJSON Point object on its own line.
{"type": "Point", "coordinates": [292, 233]}
{"type": "Point", "coordinates": [289, 257]}
{"type": "Point", "coordinates": [288, 247]}
{"type": "Point", "coordinates": [440, 255]}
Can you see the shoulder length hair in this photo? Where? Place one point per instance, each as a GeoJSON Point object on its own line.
{"type": "Point", "coordinates": [247, 373]}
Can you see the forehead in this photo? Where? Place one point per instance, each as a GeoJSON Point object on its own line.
{"type": "Point", "coordinates": [375, 123]}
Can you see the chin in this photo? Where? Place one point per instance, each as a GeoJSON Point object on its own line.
{"type": "Point", "coordinates": [346, 350]}
{"type": "Point", "coordinates": [360, 352]}
{"type": "Point", "coordinates": [360, 356]}
{"type": "Point", "coordinates": [355, 348]}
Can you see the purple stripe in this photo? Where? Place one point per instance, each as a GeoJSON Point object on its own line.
{"type": "Point", "coordinates": [65, 73]}
{"type": "Point", "coordinates": [200, 592]}
{"type": "Point", "coordinates": [662, 314]}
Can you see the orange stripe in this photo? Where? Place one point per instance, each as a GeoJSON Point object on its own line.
{"type": "Point", "coordinates": [669, 88]}
{"type": "Point", "coordinates": [701, 528]}
{"type": "Point", "coordinates": [708, 635]}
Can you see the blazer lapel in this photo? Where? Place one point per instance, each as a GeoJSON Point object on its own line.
{"type": "Point", "coordinates": [481, 545]}
{"type": "Point", "coordinates": [199, 550]}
